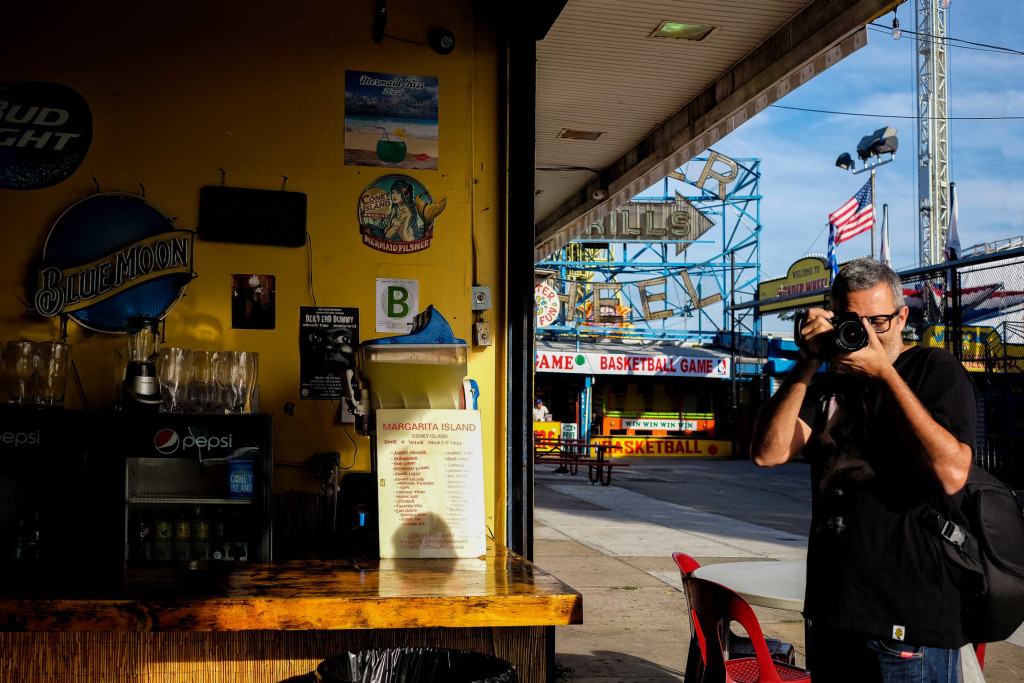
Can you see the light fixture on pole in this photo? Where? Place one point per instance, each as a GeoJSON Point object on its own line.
{"type": "Point", "coordinates": [882, 142]}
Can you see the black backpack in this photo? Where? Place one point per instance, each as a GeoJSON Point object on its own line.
{"type": "Point", "coordinates": [984, 537]}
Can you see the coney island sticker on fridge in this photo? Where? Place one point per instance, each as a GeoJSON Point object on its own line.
{"type": "Point", "coordinates": [390, 120]}
{"type": "Point", "coordinates": [397, 213]}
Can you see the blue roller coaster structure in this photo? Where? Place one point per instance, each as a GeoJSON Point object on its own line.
{"type": "Point", "coordinates": [669, 263]}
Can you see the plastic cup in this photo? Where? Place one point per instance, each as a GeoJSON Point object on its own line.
{"type": "Point", "coordinates": [175, 369]}
{"type": "Point", "coordinates": [22, 363]}
{"type": "Point", "coordinates": [203, 391]}
{"type": "Point", "coordinates": [52, 372]}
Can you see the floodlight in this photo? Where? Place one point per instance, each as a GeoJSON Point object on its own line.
{"type": "Point", "coordinates": [845, 161]}
{"type": "Point", "coordinates": [882, 141]}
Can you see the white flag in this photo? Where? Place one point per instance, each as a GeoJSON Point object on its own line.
{"type": "Point", "coordinates": [883, 251]}
{"type": "Point", "coordinates": [952, 233]}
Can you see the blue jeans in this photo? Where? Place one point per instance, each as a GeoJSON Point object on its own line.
{"type": "Point", "coordinates": [839, 656]}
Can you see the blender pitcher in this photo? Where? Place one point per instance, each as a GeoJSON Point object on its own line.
{"type": "Point", "coordinates": [141, 383]}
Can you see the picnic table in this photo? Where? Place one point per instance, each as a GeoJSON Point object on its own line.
{"type": "Point", "coordinates": [568, 454]}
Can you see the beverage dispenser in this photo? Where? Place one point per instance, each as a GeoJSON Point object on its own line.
{"type": "Point", "coordinates": [422, 369]}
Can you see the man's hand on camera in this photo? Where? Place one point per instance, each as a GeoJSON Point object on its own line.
{"type": "Point", "coordinates": [870, 361]}
{"type": "Point", "coordinates": [816, 334]}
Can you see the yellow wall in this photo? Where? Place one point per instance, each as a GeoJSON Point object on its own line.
{"type": "Point", "coordinates": [180, 90]}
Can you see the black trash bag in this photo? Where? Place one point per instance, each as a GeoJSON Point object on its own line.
{"type": "Point", "coordinates": [416, 665]}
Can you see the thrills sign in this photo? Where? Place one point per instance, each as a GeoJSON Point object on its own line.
{"type": "Point", "coordinates": [111, 256]}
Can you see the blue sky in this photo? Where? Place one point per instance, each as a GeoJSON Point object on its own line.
{"type": "Point", "coordinates": [801, 184]}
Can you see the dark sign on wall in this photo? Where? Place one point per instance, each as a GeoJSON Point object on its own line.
{"type": "Point", "coordinates": [240, 214]}
{"type": "Point", "coordinates": [45, 131]}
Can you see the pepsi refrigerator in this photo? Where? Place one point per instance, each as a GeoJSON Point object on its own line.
{"type": "Point", "coordinates": [197, 489]}
{"type": "Point", "coordinates": [61, 503]}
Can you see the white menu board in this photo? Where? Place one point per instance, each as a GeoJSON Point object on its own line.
{"type": "Point", "coordinates": [431, 483]}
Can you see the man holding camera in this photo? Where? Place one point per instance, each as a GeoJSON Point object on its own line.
{"type": "Point", "coordinates": [886, 430]}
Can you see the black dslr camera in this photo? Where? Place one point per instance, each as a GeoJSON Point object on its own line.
{"type": "Point", "coordinates": [848, 334]}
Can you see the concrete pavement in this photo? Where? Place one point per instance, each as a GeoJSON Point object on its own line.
{"type": "Point", "coordinates": [614, 544]}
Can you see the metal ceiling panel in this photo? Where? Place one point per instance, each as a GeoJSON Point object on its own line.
{"type": "Point", "coordinates": [598, 70]}
{"type": "Point", "coordinates": [658, 100]}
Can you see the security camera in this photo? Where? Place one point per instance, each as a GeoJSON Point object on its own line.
{"type": "Point", "coordinates": [441, 40]}
{"type": "Point", "coordinates": [599, 194]}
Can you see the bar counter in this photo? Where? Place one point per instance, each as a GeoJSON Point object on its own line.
{"type": "Point", "coordinates": [269, 622]}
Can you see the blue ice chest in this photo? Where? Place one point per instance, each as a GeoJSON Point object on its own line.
{"type": "Point", "coordinates": [240, 479]}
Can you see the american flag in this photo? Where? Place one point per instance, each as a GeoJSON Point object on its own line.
{"type": "Point", "coordinates": [855, 216]}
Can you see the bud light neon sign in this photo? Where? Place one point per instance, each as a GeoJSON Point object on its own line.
{"type": "Point", "coordinates": [45, 132]}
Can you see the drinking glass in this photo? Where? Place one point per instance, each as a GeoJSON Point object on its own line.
{"type": "Point", "coordinates": [236, 375]}
{"type": "Point", "coordinates": [174, 368]}
{"type": "Point", "coordinates": [203, 392]}
{"type": "Point", "coordinates": [22, 363]}
{"type": "Point", "coordinates": [52, 372]}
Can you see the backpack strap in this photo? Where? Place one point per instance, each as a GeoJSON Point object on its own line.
{"type": "Point", "coordinates": [945, 528]}
{"type": "Point", "coordinates": [958, 544]}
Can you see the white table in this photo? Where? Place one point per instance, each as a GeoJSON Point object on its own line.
{"type": "Point", "coordinates": [768, 584]}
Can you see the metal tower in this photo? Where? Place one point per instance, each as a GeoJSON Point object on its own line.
{"type": "Point", "coordinates": [932, 130]}
{"type": "Point", "coordinates": [690, 287]}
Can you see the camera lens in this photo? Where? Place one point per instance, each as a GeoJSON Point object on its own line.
{"type": "Point", "coordinates": [850, 336]}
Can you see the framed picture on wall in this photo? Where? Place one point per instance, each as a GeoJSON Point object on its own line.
{"type": "Point", "coordinates": [253, 305]}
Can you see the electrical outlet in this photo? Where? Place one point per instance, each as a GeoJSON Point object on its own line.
{"type": "Point", "coordinates": [324, 462]}
{"type": "Point", "coordinates": [481, 298]}
{"type": "Point", "coordinates": [482, 334]}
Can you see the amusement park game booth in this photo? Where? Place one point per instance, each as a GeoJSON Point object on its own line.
{"type": "Point", "coordinates": [662, 399]}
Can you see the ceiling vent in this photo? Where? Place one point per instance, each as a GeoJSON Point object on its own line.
{"type": "Point", "coordinates": [570, 134]}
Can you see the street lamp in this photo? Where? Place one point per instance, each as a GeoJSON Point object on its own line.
{"type": "Point", "coordinates": [870, 150]}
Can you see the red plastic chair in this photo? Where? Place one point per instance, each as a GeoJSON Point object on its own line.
{"type": "Point", "coordinates": [711, 607]}
{"type": "Point", "coordinates": [694, 659]}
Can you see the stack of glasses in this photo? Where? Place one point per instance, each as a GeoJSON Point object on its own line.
{"type": "Point", "coordinates": [37, 372]}
{"type": "Point", "coordinates": [212, 382]}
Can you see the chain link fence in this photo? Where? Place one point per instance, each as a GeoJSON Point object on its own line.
{"type": "Point", "coordinates": [975, 309]}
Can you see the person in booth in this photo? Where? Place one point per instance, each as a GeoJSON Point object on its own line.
{"type": "Point", "coordinates": [541, 412]}
{"type": "Point", "coordinates": [886, 430]}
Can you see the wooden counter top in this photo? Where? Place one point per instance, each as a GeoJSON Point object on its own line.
{"type": "Point", "coordinates": [497, 589]}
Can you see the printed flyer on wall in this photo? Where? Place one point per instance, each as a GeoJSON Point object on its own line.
{"type": "Point", "coordinates": [328, 339]}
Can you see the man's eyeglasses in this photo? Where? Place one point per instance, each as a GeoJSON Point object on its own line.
{"type": "Point", "coordinates": [882, 323]}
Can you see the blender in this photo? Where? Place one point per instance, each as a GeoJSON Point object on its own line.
{"type": "Point", "coordinates": [141, 382]}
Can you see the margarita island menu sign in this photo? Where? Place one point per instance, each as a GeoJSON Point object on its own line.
{"type": "Point", "coordinates": [111, 256]}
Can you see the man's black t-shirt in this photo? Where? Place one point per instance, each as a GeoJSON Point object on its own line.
{"type": "Point", "coordinates": [871, 567]}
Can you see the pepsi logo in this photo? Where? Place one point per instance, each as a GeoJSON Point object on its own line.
{"type": "Point", "coordinates": [166, 441]}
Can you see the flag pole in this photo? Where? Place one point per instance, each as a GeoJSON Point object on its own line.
{"type": "Point", "coordinates": [872, 212]}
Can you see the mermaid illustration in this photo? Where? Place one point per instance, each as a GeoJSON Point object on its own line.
{"type": "Point", "coordinates": [403, 224]}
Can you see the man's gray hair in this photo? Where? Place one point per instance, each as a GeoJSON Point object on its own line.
{"type": "Point", "coordinates": [865, 273]}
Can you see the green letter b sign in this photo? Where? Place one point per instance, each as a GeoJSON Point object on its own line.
{"type": "Point", "coordinates": [397, 302]}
